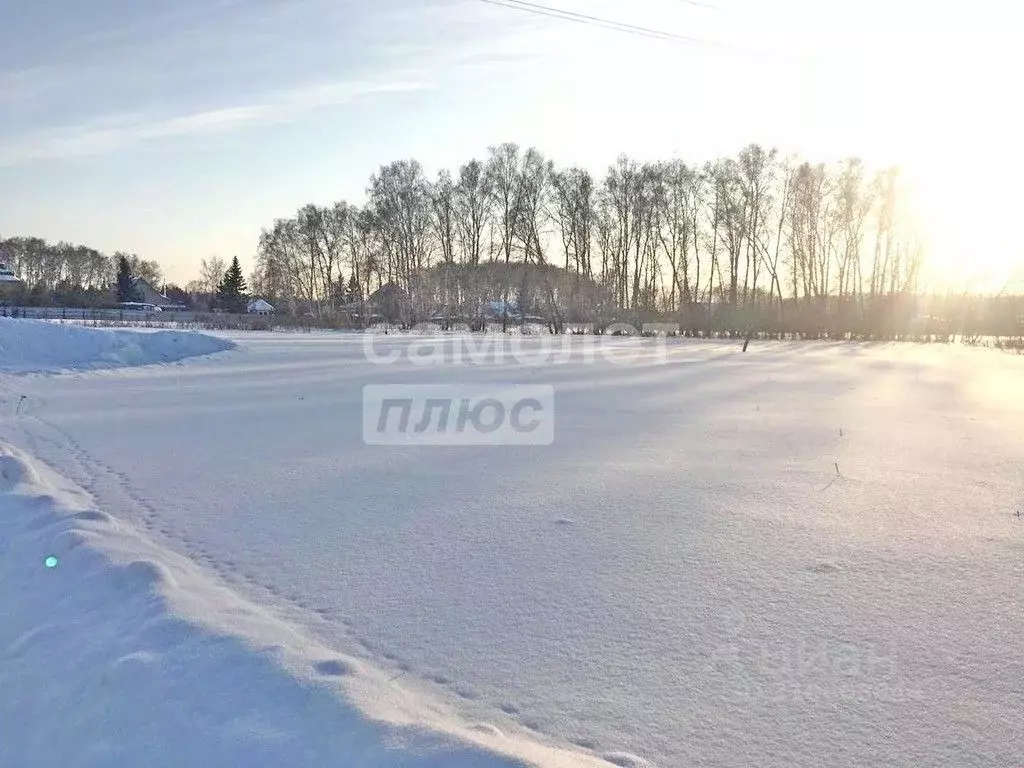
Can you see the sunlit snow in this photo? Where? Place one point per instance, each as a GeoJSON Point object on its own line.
{"type": "Point", "coordinates": [807, 554]}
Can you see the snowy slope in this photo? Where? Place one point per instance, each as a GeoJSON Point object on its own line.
{"type": "Point", "coordinates": [805, 555]}
{"type": "Point", "coordinates": [30, 346]}
{"type": "Point", "coordinates": [116, 652]}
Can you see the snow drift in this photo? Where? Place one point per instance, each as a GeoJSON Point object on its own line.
{"type": "Point", "coordinates": [33, 346]}
{"type": "Point", "coordinates": [115, 652]}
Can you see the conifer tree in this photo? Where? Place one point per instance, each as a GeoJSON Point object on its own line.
{"type": "Point", "coordinates": [231, 293]}
{"type": "Point", "coordinates": [126, 290]}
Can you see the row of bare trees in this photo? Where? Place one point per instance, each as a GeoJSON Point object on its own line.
{"type": "Point", "coordinates": [749, 238]}
{"type": "Point", "coordinates": [48, 266]}
{"type": "Point", "coordinates": [752, 231]}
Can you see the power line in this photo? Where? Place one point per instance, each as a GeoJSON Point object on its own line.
{"type": "Point", "coordinates": [582, 18]}
{"type": "Point", "coordinates": [698, 4]}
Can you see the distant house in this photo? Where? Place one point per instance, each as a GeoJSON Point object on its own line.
{"type": "Point", "coordinates": [9, 282]}
{"type": "Point", "coordinates": [508, 312]}
{"type": "Point", "coordinates": [147, 294]}
{"type": "Point", "coordinates": [260, 307]}
{"type": "Point", "coordinates": [7, 275]}
{"type": "Point", "coordinates": [391, 302]}
{"type": "Point", "coordinates": [497, 310]}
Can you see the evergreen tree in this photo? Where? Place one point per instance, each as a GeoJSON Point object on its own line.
{"type": "Point", "coordinates": [231, 293]}
{"type": "Point", "coordinates": [354, 291]}
{"type": "Point", "coordinates": [126, 290]}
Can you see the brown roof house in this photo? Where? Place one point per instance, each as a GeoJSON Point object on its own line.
{"type": "Point", "coordinates": [147, 294]}
{"type": "Point", "coordinates": [9, 281]}
{"type": "Point", "coordinates": [391, 302]}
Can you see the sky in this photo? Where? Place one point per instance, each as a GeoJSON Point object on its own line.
{"type": "Point", "coordinates": [178, 129]}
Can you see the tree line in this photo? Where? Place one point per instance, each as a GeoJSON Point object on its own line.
{"type": "Point", "coordinates": [65, 274]}
{"type": "Point", "coordinates": [753, 239]}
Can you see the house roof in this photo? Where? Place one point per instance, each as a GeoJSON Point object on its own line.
{"type": "Point", "coordinates": [260, 305]}
{"type": "Point", "coordinates": [388, 290]}
{"type": "Point", "coordinates": [7, 275]}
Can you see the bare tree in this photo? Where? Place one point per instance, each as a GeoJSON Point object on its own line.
{"type": "Point", "coordinates": [472, 209]}
{"type": "Point", "coordinates": [535, 185]}
{"type": "Point", "coordinates": [621, 191]}
{"type": "Point", "coordinates": [772, 257]}
{"type": "Point", "coordinates": [757, 174]}
{"type": "Point", "coordinates": [277, 262]}
{"type": "Point", "coordinates": [362, 249]}
{"type": "Point", "coordinates": [855, 203]}
{"type": "Point", "coordinates": [573, 203]}
{"type": "Point", "coordinates": [400, 201]}
{"type": "Point", "coordinates": [147, 270]}
{"type": "Point", "coordinates": [505, 182]}
{"type": "Point", "coordinates": [811, 231]}
{"type": "Point", "coordinates": [731, 220]}
{"type": "Point", "coordinates": [714, 206]}
{"type": "Point", "coordinates": [675, 230]}
{"type": "Point", "coordinates": [445, 230]}
{"type": "Point", "coordinates": [211, 272]}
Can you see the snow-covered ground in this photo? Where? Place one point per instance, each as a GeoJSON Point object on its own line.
{"type": "Point", "coordinates": [803, 555]}
{"type": "Point", "coordinates": [118, 652]}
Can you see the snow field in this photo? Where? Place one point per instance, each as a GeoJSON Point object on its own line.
{"type": "Point", "coordinates": [804, 555]}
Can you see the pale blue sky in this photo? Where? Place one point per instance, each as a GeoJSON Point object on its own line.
{"type": "Point", "coordinates": [178, 128]}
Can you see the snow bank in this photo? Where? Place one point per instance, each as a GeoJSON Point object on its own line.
{"type": "Point", "coordinates": [33, 346]}
{"type": "Point", "coordinates": [115, 652]}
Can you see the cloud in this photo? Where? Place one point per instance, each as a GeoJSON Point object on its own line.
{"type": "Point", "coordinates": [29, 83]}
{"type": "Point", "coordinates": [256, 62]}
{"type": "Point", "coordinates": [110, 134]}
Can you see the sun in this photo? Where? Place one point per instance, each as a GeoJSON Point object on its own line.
{"type": "Point", "coordinates": [966, 213]}
{"type": "Point", "coordinates": [944, 116]}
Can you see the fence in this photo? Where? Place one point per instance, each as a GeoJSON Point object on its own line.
{"type": "Point", "coordinates": [1003, 328]}
{"type": "Point", "coordinates": [190, 320]}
